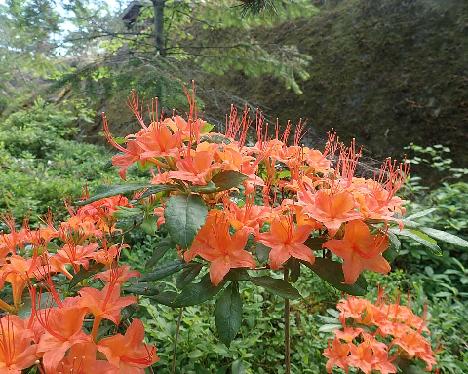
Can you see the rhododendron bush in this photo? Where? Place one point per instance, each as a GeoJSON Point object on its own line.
{"type": "Point", "coordinates": [250, 204]}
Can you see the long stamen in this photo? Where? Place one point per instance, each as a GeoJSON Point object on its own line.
{"type": "Point", "coordinates": [134, 104]}
{"type": "Point", "coordinates": [109, 136]}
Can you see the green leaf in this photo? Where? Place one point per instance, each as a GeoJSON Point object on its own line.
{"type": "Point", "coordinates": [394, 241]}
{"type": "Point", "coordinates": [228, 313]}
{"type": "Point", "coordinates": [238, 367]}
{"type": "Point", "coordinates": [207, 127]}
{"type": "Point", "coordinates": [392, 252]}
{"type": "Point", "coordinates": [165, 298]}
{"type": "Point", "coordinates": [295, 267]}
{"type": "Point", "coordinates": [284, 174]}
{"type": "Point", "coordinates": [185, 215]}
{"type": "Point", "coordinates": [53, 247]}
{"type": "Point", "coordinates": [421, 213]}
{"type": "Point", "coordinates": [238, 275]}
{"type": "Point", "coordinates": [444, 236]}
{"type": "Point", "coordinates": [159, 251]}
{"type": "Point", "coordinates": [329, 327]}
{"type": "Point", "coordinates": [143, 288]}
{"type": "Point", "coordinates": [85, 274]}
{"type": "Point", "coordinates": [124, 212]}
{"type": "Point", "coordinates": [277, 286]}
{"type": "Point", "coordinates": [119, 189]}
{"type": "Point", "coordinates": [149, 225]}
{"type": "Point", "coordinates": [420, 238]}
{"type": "Point", "coordinates": [331, 272]}
{"type": "Point", "coordinates": [410, 224]}
{"type": "Point", "coordinates": [197, 293]}
{"type": "Point", "coordinates": [122, 189]}
{"type": "Point", "coordinates": [315, 243]}
{"type": "Point", "coordinates": [227, 179]}
{"type": "Point", "coordinates": [154, 189]}
{"type": "Point", "coordinates": [210, 187]}
{"type": "Point", "coordinates": [262, 252]}
{"type": "Point", "coordinates": [163, 271]}
{"type": "Point", "coordinates": [188, 274]}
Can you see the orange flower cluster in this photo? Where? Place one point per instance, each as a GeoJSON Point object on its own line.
{"type": "Point", "coordinates": [374, 337]}
{"type": "Point", "coordinates": [305, 192]}
{"type": "Point", "coordinates": [56, 333]}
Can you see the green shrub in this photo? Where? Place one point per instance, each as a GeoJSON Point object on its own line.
{"type": "Point", "coordinates": [42, 164]}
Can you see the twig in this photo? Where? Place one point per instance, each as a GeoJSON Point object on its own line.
{"type": "Point", "coordinates": [287, 329]}
{"type": "Point", "coordinates": [176, 337]}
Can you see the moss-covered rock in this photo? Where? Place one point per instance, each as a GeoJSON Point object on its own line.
{"type": "Point", "coordinates": [388, 72]}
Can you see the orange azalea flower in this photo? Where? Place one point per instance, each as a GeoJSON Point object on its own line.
{"type": "Point", "coordinates": [63, 329]}
{"type": "Point", "coordinates": [84, 226]}
{"type": "Point", "coordinates": [249, 217]}
{"type": "Point", "coordinates": [183, 128]}
{"type": "Point", "coordinates": [158, 141]}
{"type": "Point", "coordinates": [316, 161]}
{"type": "Point", "coordinates": [127, 158]}
{"type": "Point", "coordinates": [108, 254]}
{"type": "Point", "coordinates": [118, 275]}
{"type": "Point", "coordinates": [361, 356]}
{"type": "Point", "coordinates": [128, 354]}
{"type": "Point", "coordinates": [286, 240]}
{"type": "Point", "coordinates": [382, 363]}
{"type": "Point", "coordinates": [331, 209]}
{"type": "Point", "coordinates": [195, 166]}
{"type": "Point", "coordinates": [129, 155]}
{"type": "Point", "coordinates": [161, 178]}
{"type": "Point", "coordinates": [394, 316]}
{"type": "Point", "coordinates": [18, 271]}
{"type": "Point", "coordinates": [159, 212]}
{"type": "Point", "coordinates": [75, 255]}
{"type": "Point", "coordinates": [371, 355]}
{"type": "Point", "coordinates": [81, 359]}
{"type": "Point", "coordinates": [303, 219]}
{"type": "Point", "coordinates": [4, 249]}
{"type": "Point", "coordinates": [382, 326]}
{"type": "Point", "coordinates": [375, 204]}
{"type": "Point", "coordinates": [214, 243]}
{"type": "Point", "coordinates": [360, 251]}
{"type": "Point", "coordinates": [348, 334]}
{"type": "Point", "coordinates": [43, 236]}
{"type": "Point", "coordinates": [17, 348]}
{"type": "Point", "coordinates": [15, 239]}
{"type": "Point", "coordinates": [230, 157]}
{"type": "Point", "coordinates": [415, 345]}
{"type": "Point", "coordinates": [337, 354]}
{"type": "Point", "coordinates": [97, 216]}
{"type": "Point", "coordinates": [361, 310]}
{"type": "Point", "coordinates": [106, 303]}
{"type": "Point", "coordinates": [103, 208]}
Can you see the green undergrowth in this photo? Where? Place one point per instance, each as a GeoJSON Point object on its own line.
{"type": "Point", "coordinates": [43, 161]}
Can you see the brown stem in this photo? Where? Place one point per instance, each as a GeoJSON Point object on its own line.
{"type": "Point", "coordinates": [94, 331]}
{"type": "Point", "coordinates": [176, 337]}
{"type": "Point", "coordinates": [287, 329]}
{"type": "Point", "coordinates": [7, 307]}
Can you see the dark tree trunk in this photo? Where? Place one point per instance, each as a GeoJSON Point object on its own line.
{"type": "Point", "coordinates": [158, 6]}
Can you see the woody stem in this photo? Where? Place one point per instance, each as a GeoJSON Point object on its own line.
{"type": "Point", "coordinates": [160, 163]}
{"type": "Point", "coordinates": [94, 331]}
{"type": "Point", "coordinates": [287, 330]}
{"type": "Point", "coordinates": [7, 307]}
{"type": "Point", "coordinates": [176, 337]}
